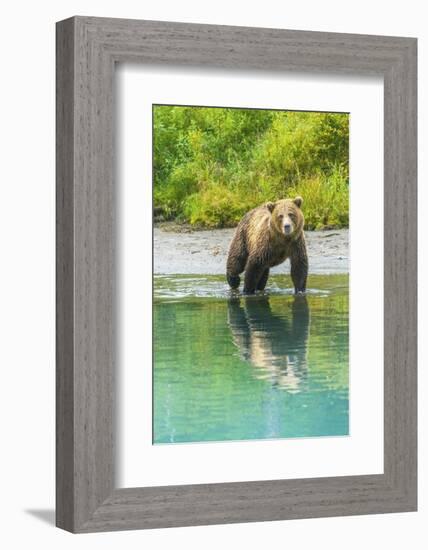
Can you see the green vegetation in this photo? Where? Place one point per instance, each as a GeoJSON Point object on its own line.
{"type": "Point", "coordinates": [211, 165]}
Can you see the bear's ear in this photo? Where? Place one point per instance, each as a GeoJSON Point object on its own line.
{"type": "Point", "coordinates": [270, 206]}
{"type": "Point", "coordinates": [298, 201]}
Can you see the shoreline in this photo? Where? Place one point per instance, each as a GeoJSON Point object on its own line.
{"type": "Point", "coordinates": [204, 252]}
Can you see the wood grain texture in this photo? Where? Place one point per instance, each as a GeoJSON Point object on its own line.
{"type": "Point", "coordinates": [87, 50]}
{"type": "Point", "coordinates": [64, 276]}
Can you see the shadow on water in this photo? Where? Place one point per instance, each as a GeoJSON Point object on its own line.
{"type": "Point", "coordinates": [276, 344]}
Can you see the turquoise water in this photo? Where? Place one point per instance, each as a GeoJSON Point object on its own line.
{"type": "Point", "coordinates": [228, 367]}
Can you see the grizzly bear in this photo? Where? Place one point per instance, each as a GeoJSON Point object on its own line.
{"type": "Point", "coordinates": [265, 237]}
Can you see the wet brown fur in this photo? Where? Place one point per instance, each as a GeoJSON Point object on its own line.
{"type": "Point", "coordinates": [260, 242]}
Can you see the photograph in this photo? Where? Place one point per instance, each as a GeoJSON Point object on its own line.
{"type": "Point", "coordinates": [251, 274]}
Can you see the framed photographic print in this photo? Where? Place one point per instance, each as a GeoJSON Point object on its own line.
{"type": "Point", "coordinates": [236, 274]}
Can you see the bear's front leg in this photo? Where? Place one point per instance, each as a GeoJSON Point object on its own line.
{"type": "Point", "coordinates": [299, 266]}
{"type": "Point", "coordinates": [254, 271]}
{"type": "Point", "coordinates": [263, 280]}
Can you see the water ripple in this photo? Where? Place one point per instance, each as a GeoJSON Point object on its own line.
{"type": "Point", "coordinates": [179, 287]}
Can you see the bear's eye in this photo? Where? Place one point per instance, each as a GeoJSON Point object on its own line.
{"type": "Point", "coordinates": [280, 216]}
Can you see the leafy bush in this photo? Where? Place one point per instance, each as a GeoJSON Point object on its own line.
{"type": "Point", "coordinates": [216, 206]}
{"type": "Point", "coordinates": [211, 165]}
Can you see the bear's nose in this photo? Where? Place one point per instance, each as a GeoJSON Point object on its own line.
{"type": "Point", "coordinates": [287, 227]}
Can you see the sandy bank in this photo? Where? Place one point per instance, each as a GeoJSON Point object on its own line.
{"type": "Point", "coordinates": [205, 252]}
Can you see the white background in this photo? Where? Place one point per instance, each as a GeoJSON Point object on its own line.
{"type": "Point", "coordinates": [27, 285]}
{"type": "Point", "coordinates": [362, 451]}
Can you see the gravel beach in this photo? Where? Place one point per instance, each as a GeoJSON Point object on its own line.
{"type": "Point", "coordinates": [205, 252]}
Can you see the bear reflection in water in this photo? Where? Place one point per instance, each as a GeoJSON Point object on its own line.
{"type": "Point", "coordinates": [275, 343]}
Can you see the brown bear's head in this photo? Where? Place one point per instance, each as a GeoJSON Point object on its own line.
{"type": "Point", "coordinates": [287, 216]}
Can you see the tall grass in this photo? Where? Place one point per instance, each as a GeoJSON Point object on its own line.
{"type": "Point", "coordinates": [326, 200]}
{"type": "Point", "coordinates": [211, 165]}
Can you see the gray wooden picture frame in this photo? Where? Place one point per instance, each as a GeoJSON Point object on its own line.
{"type": "Point", "coordinates": [87, 51]}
